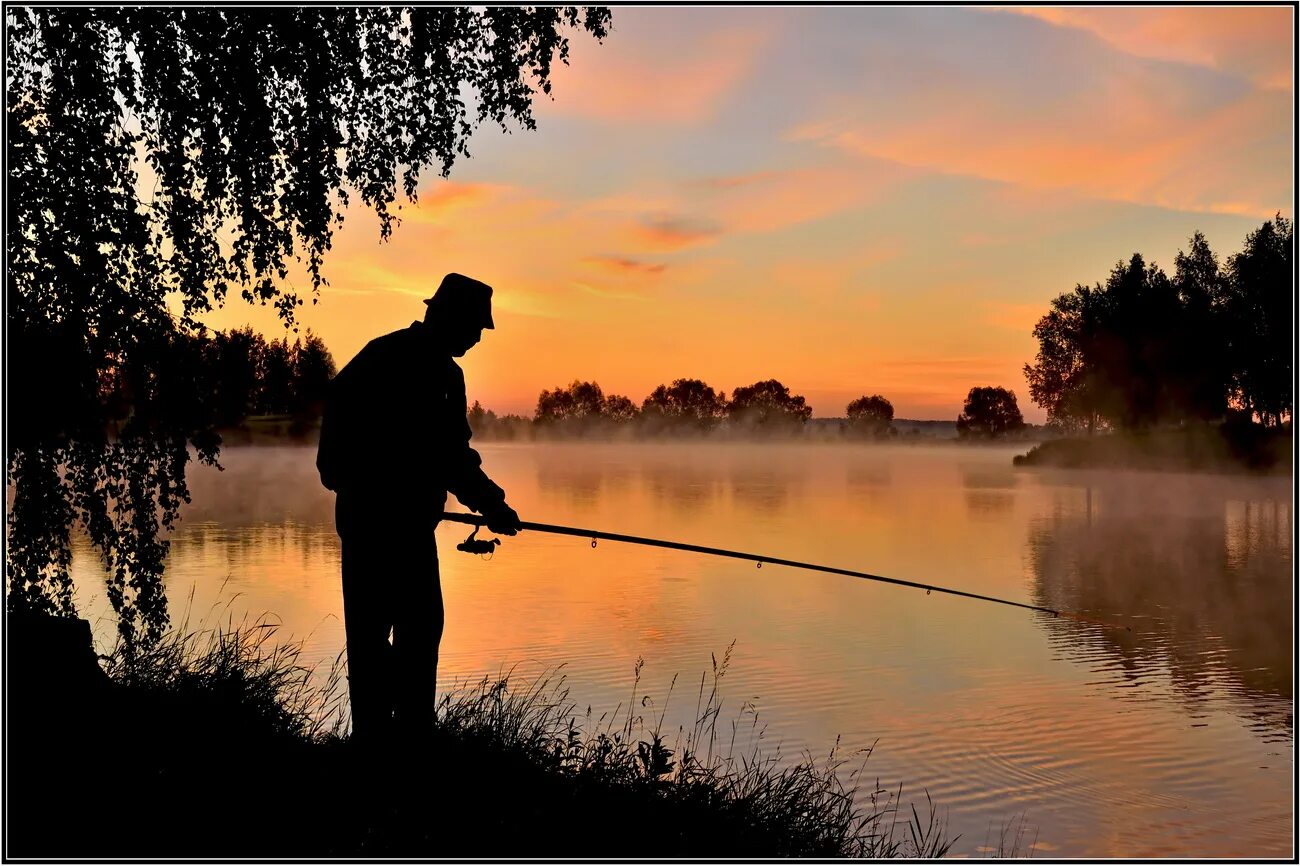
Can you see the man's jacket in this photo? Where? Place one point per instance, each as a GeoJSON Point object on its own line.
{"type": "Point", "coordinates": [394, 439]}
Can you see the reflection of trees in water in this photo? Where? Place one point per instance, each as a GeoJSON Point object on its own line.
{"type": "Point", "coordinates": [1208, 594]}
{"type": "Point", "coordinates": [989, 504]}
{"type": "Point", "coordinates": [273, 542]}
{"type": "Point", "coordinates": [764, 489]}
{"type": "Point", "coordinates": [989, 492]}
{"type": "Point", "coordinates": [686, 489]}
{"type": "Point", "coordinates": [989, 478]}
{"type": "Point", "coordinates": [581, 483]}
{"type": "Point", "coordinates": [260, 486]}
{"type": "Point", "coordinates": [869, 485]}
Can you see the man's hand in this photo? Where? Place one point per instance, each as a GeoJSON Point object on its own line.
{"type": "Point", "coordinates": [502, 519]}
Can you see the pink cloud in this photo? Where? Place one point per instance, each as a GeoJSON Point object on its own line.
{"type": "Point", "coordinates": [675, 233]}
{"type": "Point", "coordinates": [1127, 139]}
{"type": "Point", "coordinates": [641, 83]}
{"type": "Point", "coordinates": [625, 266]}
{"type": "Point", "coordinates": [444, 198]}
{"type": "Point", "coordinates": [1253, 42]}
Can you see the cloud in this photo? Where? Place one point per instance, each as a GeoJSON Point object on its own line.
{"type": "Point", "coordinates": [1250, 41]}
{"type": "Point", "coordinates": [624, 266]}
{"type": "Point", "coordinates": [606, 292]}
{"type": "Point", "coordinates": [787, 198]}
{"type": "Point", "coordinates": [734, 181]}
{"type": "Point", "coordinates": [445, 198]}
{"type": "Point", "coordinates": [671, 79]}
{"type": "Point", "coordinates": [1137, 135]}
{"type": "Point", "coordinates": [675, 233]}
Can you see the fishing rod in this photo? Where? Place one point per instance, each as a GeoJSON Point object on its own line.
{"type": "Point", "coordinates": [478, 545]}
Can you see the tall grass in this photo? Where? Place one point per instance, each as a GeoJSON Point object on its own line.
{"type": "Point", "coordinates": [807, 807]}
{"type": "Point", "coordinates": [243, 669]}
{"type": "Point", "coordinates": [682, 793]}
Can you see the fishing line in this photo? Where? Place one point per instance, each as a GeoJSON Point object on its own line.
{"type": "Point", "coordinates": [473, 545]}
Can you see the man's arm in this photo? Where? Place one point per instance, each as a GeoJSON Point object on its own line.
{"type": "Point", "coordinates": [331, 452]}
{"type": "Point", "coordinates": [466, 479]}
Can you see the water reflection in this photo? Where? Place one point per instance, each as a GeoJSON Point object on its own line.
{"type": "Point", "coordinates": [1114, 743]}
{"type": "Point", "coordinates": [684, 489]}
{"type": "Point", "coordinates": [989, 491]}
{"type": "Point", "coordinates": [1201, 575]}
{"type": "Point", "coordinates": [764, 490]}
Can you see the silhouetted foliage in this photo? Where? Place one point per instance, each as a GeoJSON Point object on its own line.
{"type": "Point", "coordinates": [1065, 380]}
{"type": "Point", "coordinates": [620, 409]}
{"type": "Point", "coordinates": [989, 413]}
{"type": "Point", "coordinates": [1202, 365]}
{"type": "Point", "coordinates": [1145, 350]}
{"type": "Point", "coordinates": [479, 418]}
{"type": "Point", "coordinates": [487, 424]}
{"type": "Point", "coordinates": [313, 367]}
{"type": "Point", "coordinates": [871, 416]}
{"type": "Point", "coordinates": [234, 357]}
{"type": "Point", "coordinates": [686, 403]}
{"type": "Point", "coordinates": [1258, 314]}
{"type": "Point", "coordinates": [578, 402]}
{"type": "Point", "coordinates": [1139, 343]}
{"type": "Point", "coordinates": [138, 137]}
{"type": "Point", "coordinates": [767, 406]}
{"type": "Point", "coordinates": [582, 408]}
{"type": "Point", "coordinates": [275, 378]}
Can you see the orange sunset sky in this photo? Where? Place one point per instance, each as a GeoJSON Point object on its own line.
{"type": "Point", "coordinates": [850, 200]}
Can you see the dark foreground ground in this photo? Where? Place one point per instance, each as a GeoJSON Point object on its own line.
{"type": "Point", "coordinates": [206, 751]}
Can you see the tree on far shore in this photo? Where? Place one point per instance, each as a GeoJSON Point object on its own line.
{"type": "Point", "coordinates": [871, 416]}
{"type": "Point", "coordinates": [989, 413]}
{"type": "Point", "coordinates": [685, 403]}
{"type": "Point", "coordinates": [1143, 350]}
{"type": "Point", "coordinates": [1258, 317]}
{"type": "Point", "coordinates": [767, 406]}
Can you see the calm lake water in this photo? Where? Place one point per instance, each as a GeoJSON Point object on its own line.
{"type": "Point", "coordinates": [1174, 739]}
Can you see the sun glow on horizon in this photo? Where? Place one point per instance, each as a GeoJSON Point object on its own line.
{"type": "Point", "coordinates": [889, 214]}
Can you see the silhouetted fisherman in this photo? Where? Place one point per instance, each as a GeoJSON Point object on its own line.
{"type": "Point", "coordinates": [394, 440]}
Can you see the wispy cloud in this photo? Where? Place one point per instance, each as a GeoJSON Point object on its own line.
{"type": "Point", "coordinates": [1251, 41]}
{"type": "Point", "coordinates": [675, 233]}
{"type": "Point", "coordinates": [1132, 138]}
{"type": "Point", "coordinates": [737, 180]}
{"type": "Point", "coordinates": [607, 292]}
{"type": "Point", "coordinates": [625, 266]}
{"type": "Point", "coordinates": [445, 198]}
{"type": "Point", "coordinates": [675, 79]}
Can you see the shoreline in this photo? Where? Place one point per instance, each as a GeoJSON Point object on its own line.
{"type": "Point", "coordinates": [219, 745]}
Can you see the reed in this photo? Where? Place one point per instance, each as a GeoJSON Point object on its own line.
{"type": "Point", "coordinates": [723, 801]}
{"type": "Point", "coordinates": [223, 743]}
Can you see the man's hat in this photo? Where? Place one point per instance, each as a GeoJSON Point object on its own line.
{"type": "Point", "coordinates": [458, 295]}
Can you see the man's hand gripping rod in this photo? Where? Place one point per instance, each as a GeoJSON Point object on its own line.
{"type": "Point", "coordinates": [474, 545]}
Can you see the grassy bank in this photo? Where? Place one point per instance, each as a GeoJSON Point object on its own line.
{"type": "Point", "coordinates": [1221, 448]}
{"type": "Point", "coordinates": [224, 745]}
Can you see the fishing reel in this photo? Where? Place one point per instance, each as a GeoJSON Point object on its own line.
{"type": "Point", "coordinates": [482, 546]}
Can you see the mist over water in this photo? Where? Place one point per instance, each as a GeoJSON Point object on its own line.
{"type": "Point", "coordinates": [1174, 738]}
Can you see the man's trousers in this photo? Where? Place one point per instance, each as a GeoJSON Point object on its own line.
{"type": "Point", "coordinates": [390, 589]}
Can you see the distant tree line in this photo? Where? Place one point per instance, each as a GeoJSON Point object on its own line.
{"type": "Point", "coordinates": [691, 407]}
{"type": "Point", "coordinates": [235, 374]}
{"type": "Point", "coordinates": [1210, 343]}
